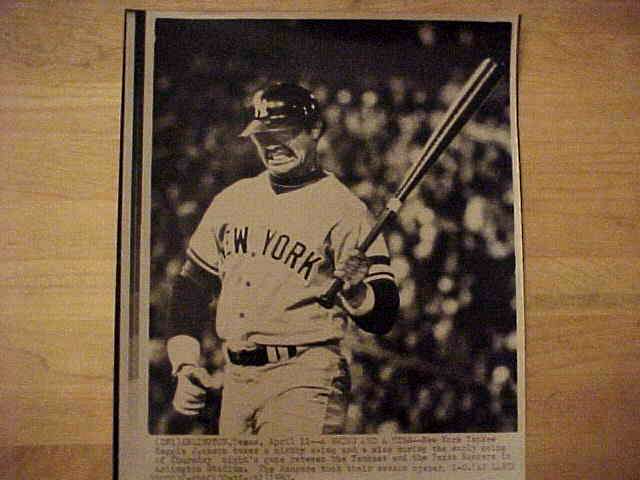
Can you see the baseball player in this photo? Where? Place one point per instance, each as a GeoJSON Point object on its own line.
{"type": "Point", "coordinates": [263, 244]}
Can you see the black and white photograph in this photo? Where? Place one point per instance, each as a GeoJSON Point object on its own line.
{"type": "Point", "coordinates": [323, 238]}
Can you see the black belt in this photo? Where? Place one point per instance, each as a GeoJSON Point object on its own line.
{"type": "Point", "coordinates": [261, 355]}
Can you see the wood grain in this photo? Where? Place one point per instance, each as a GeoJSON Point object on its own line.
{"type": "Point", "coordinates": [579, 147]}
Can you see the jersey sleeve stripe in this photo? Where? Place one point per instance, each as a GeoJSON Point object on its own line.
{"type": "Point", "coordinates": [379, 260]}
{"type": "Point", "coordinates": [378, 268]}
{"type": "Point", "coordinates": [378, 276]}
{"type": "Point", "coordinates": [200, 261]}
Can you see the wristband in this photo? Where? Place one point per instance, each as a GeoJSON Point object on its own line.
{"type": "Point", "coordinates": [365, 307]}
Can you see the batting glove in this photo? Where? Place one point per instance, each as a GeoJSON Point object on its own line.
{"type": "Point", "coordinates": [352, 270]}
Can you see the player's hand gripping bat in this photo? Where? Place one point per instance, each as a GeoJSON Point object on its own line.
{"type": "Point", "coordinates": [475, 91]}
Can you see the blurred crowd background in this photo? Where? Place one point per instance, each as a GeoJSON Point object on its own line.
{"type": "Point", "coordinates": [449, 364]}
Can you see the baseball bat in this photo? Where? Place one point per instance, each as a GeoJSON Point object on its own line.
{"type": "Point", "coordinates": [474, 93]}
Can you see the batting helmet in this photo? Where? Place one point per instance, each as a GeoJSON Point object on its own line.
{"type": "Point", "coordinates": [282, 106]}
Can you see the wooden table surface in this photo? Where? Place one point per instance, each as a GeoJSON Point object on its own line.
{"type": "Point", "coordinates": [579, 100]}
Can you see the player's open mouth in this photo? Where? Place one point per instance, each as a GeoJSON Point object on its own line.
{"type": "Point", "coordinates": [279, 156]}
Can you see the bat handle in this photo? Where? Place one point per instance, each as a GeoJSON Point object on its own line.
{"type": "Point", "coordinates": [328, 298]}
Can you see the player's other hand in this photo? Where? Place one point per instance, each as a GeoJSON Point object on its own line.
{"type": "Point", "coordinates": [191, 389]}
{"type": "Point", "coordinates": [352, 270]}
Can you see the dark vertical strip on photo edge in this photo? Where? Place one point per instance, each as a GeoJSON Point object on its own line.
{"type": "Point", "coordinates": [117, 318]}
{"type": "Point", "coordinates": [515, 32]}
{"type": "Point", "coordinates": [136, 192]}
{"type": "Point", "coordinates": [136, 213]}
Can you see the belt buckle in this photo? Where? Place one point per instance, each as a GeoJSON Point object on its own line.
{"type": "Point", "coordinates": [261, 355]}
{"type": "Point", "coordinates": [243, 357]}
{"type": "Point", "coordinates": [233, 356]}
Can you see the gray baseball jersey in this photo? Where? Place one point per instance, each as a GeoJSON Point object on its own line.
{"type": "Point", "coordinates": [273, 249]}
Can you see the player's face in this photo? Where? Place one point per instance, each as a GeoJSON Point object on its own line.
{"type": "Point", "coordinates": [288, 152]}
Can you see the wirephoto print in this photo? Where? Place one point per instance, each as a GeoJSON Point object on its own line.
{"type": "Point", "coordinates": [320, 249]}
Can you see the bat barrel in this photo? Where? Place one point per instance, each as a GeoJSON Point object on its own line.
{"type": "Point", "coordinates": [473, 94]}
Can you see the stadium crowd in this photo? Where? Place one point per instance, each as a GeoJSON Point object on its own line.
{"type": "Point", "coordinates": [449, 364]}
